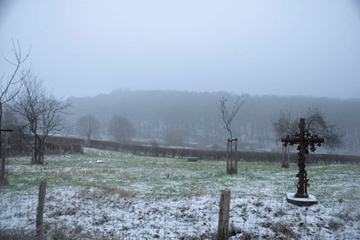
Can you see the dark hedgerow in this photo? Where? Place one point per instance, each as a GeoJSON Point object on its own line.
{"type": "Point", "coordinates": [205, 154]}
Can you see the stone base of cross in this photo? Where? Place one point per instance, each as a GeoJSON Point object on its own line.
{"type": "Point", "coordinates": [304, 139]}
{"type": "Point", "coordinates": [310, 200]}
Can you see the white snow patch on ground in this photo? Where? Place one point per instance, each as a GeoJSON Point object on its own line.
{"type": "Point", "coordinates": [89, 213]}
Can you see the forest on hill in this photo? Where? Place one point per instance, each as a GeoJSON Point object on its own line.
{"type": "Point", "coordinates": [180, 117]}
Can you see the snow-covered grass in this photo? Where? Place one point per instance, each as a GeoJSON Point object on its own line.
{"type": "Point", "coordinates": [124, 196]}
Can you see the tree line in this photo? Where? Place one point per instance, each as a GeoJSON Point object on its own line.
{"type": "Point", "coordinates": [180, 117]}
{"type": "Point", "coordinates": [169, 117]}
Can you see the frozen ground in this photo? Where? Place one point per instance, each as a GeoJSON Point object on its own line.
{"type": "Point", "coordinates": [130, 197]}
{"type": "Point", "coordinates": [90, 214]}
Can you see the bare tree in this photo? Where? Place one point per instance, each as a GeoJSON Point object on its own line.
{"type": "Point", "coordinates": [226, 119]}
{"type": "Point", "coordinates": [284, 126]}
{"type": "Point", "coordinates": [88, 126]}
{"type": "Point", "coordinates": [40, 114]}
{"type": "Point", "coordinates": [9, 88]}
{"type": "Point", "coordinates": [316, 123]}
{"type": "Point", "coordinates": [121, 129]}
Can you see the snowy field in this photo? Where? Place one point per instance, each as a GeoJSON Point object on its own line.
{"type": "Point", "coordinates": [123, 196]}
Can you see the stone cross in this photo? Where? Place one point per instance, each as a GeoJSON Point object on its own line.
{"type": "Point", "coordinates": [304, 139]}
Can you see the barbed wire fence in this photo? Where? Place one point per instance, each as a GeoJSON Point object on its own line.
{"type": "Point", "coordinates": [93, 214]}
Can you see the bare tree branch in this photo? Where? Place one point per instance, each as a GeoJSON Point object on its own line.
{"type": "Point", "coordinates": [285, 125]}
{"type": "Point", "coordinates": [11, 83]}
{"type": "Point", "coordinates": [316, 123]}
{"type": "Point", "coordinates": [40, 113]}
{"type": "Point", "coordinates": [88, 126]}
{"type": "Point", "coordinates": [226, 117]}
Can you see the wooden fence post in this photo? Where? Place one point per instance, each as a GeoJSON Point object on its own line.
{"type": "Point", "coordinates": [40, 210]}
{"type": "Point", "coordinates": [224, 209]}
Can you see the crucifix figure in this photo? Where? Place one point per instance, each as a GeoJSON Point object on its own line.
{"type": "Point", "coordinates": [304, 139]}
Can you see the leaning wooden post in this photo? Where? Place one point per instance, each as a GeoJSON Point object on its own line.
{"type": "Point", "coordinates": [224, 209]}
{"type": "Point", "coordinates": [40, 210]}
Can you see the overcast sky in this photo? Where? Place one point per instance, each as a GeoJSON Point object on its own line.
{"type": "Point", "coordinates": [88, 47]}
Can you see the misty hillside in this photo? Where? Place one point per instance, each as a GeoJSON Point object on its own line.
{"type": "Point", "coordinates": [177, 118]}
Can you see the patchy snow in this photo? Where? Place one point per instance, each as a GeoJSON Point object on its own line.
{"type": "Point", "coordinates": [90, 213]}
{"type": "Point", "coordinates": [162, 207]}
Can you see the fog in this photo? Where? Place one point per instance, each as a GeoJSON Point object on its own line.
{"type": "Point", "coordinates": [88, 47]}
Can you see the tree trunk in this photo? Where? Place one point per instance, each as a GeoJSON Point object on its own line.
{"type": "Point", "coordinates": [38, 153]}
{"type": "Point", "coordinates": [284, 162]}
{"type": "Point", "coordinates": [34, 155]}
{"type": "Point", "coordinates": [3, 175]}
{"type": "Point", "coordinates": [41, 152]}
{"type": "Point", "coordinates": [288, 156]}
